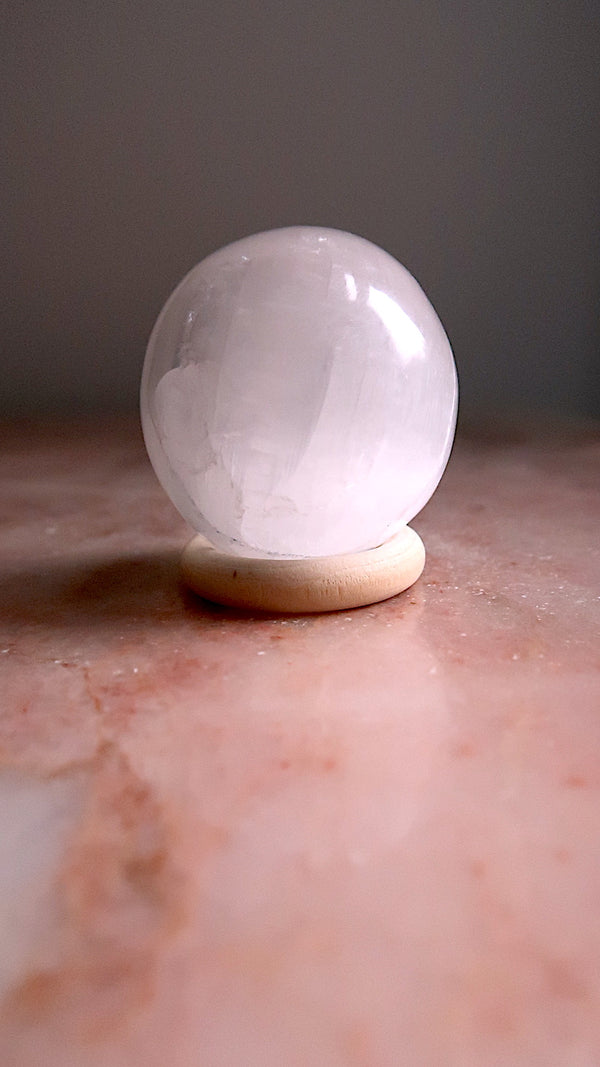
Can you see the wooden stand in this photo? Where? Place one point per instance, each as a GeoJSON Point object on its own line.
{"type": "Point", "coordinates": [327, 583]}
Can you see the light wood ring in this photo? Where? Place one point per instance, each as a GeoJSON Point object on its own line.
{"type": "Point", "coordinates": [325, 583]}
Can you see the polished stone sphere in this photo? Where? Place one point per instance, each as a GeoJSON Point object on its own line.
{"type": "Point", "coordinates": [299, 395]}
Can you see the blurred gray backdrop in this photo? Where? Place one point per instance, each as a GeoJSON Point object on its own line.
{"type": "Point", "coordinates": [461, 136]}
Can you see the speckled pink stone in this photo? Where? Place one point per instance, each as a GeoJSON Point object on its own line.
{"type": "Point", "coordinates": [365, 839]}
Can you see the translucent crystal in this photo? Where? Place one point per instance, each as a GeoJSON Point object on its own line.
{"type": "Point", "coordinates": [299, 395]}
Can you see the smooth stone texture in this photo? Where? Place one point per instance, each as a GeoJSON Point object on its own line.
{"type": "Point", "coordinates": [363, 838]}
{"type": "Point", "coordinates": [324, 583]}
{"type": "Point", "coordinates": [299, 395]}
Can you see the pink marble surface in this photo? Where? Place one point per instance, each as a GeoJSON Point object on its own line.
{"type": "Point", "coordinates": [367, 839]}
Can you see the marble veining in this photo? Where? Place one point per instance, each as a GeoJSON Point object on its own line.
{"type": "Point", "coordinates": [361, 839]}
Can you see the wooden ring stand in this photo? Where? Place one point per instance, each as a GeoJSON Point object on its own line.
{"type": "Point", "coordinates": [326, 583]}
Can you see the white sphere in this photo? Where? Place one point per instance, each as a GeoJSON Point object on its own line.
{"type": "Point", "coordinates": [299, 395]}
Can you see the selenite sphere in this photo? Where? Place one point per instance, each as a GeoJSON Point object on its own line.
{"type": "Point", "coordinates": [299, 395]}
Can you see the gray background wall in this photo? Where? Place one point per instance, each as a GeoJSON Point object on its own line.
{"type": "Point", "coordinates": [462, 136]}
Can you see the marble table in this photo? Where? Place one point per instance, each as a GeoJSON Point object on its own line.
{"type": "Point", "coordinates": [366, 839]}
